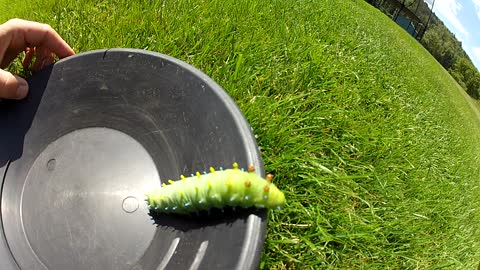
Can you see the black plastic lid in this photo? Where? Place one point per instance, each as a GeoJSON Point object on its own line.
{"type": "Point", "coordinates": [96, 132]}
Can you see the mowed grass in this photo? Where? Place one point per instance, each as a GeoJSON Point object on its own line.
{"type": "Point", "coordinates": [372, 141]}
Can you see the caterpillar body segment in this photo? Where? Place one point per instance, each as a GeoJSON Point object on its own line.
{"type": "Point", "coordinates": [217, 189]}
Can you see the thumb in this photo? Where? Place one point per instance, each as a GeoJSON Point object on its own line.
{"type": "Point", "coordinates": [12, 86]}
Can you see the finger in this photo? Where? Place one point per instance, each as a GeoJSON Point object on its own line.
{"type": "Point", "coordinates": [19, 34]}
{"type": "Point", "coordinates": [29, 53]}
{"type": "Point", "coordinates": [48, 60]}
{"type": "Point", "coordinates": [38, 34]}
{"type": "Point", "coordinates": [42, 57]}
{"type": "Point", "coordinates": [11, 86]}
{"type": "Point", "coordinates": [42, 62]}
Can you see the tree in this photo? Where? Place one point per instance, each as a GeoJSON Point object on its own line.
{"type": "Point", "coordinates": [465, 71]}
{"type": "Point", "coordinates": [442, 45]}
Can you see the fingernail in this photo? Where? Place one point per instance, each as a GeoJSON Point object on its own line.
{"type": "Point", "coordinates": [22, 89]}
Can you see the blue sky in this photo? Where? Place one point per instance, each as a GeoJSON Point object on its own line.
{"type": "Point", "coordinates": [462, 17]}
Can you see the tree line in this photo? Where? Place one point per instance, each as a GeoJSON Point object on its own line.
{"type": "Point", "coordinates": [438, 40]}
{"type": "Point", "coordinates": [448, 51]}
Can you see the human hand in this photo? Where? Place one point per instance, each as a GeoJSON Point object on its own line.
{"type": "Point", "coordinates": [35, 39]}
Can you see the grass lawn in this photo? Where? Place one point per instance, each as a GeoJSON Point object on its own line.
{"type": "Point", "coordinates": [372, 141]}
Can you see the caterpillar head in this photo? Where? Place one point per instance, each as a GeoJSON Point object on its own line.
{"type": "Point", "coordinates": [276, 198]}
{"type": "Point", "coordinates": [267, 195]}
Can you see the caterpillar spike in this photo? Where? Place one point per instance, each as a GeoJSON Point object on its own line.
{"type": "Point", "coordinates": [217, 189]}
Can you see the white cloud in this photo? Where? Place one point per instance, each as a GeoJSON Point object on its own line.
{"type": "Point", "coordinates": [474, 54]}
{"type": "Point", "coordinates": [476, 51]}
{"type": "Point", "coordinates": [449, 9]}
{"type": "Point", "coordinates": [476, 57]}
{"type": "Point", "coordinates": [429, 3]}
{"type": "Point", "coordinates": [476, 3]}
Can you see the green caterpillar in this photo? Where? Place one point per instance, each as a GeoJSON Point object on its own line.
{"type": "Point", "coordinates": [217, 189]}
